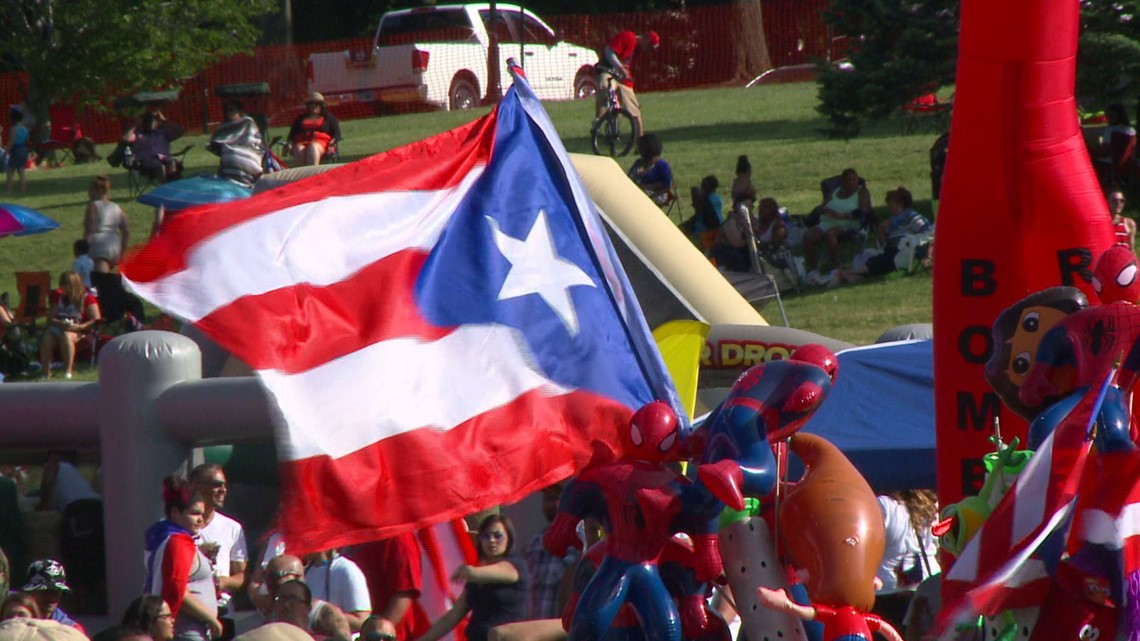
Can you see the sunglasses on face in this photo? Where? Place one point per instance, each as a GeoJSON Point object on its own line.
{"type": "Point", "coordinates": [281, 574]}
{"type": "Point", "coordinates": [493, 536]}
{"type": "Point", "coordinates": [379, 636]}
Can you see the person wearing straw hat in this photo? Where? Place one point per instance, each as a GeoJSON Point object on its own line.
{"type": "Point", "coordinates": [313, 132]}
{"type": "Point", "coordinates": [25, 629]}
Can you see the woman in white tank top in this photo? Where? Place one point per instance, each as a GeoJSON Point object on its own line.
{"type": "Point", "coordinates": [105, 227]}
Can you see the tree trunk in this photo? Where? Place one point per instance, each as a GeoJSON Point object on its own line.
{"type": "Point", "coordinates": [36, 105]}
{"type": "Point", "coordinates": [750, 46]}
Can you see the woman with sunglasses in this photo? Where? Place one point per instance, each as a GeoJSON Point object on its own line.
{"type": "Point", "coordinates": [177, 570]}
{"type": "Point", "coordinates": [496, 588]}
{"type": "Point", "coordinates": [1123, 226]}
{"type": "Point", "coordinates": [149, 616]}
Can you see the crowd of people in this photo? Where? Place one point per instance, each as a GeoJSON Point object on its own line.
{"type": "Point", "coordinates": [196, 571]}
{"type": "Point", "coordinates": [755, 233]}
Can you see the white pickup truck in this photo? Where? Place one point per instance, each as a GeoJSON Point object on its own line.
{"type": "Point", "coordinates": [438, 56]}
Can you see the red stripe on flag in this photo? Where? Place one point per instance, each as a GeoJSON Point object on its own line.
{"type": "Point", "coordinates": [296, 328]}
{"type": "Point", "coordinates": [463, 540]}
{"type": "Point", "coordinates": [439, 162]}
{"type": "Point", "coordinates": [352, 499]}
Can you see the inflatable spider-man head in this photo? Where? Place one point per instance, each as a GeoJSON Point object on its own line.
{"type": "Point", "coordinates": [819, 356]}
{"type": "Point", "coordinates": [1115, 276]}
{"type": "Point", "coordinates": [653, 434]}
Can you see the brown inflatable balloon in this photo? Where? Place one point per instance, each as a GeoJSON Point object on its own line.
{"type": "Point", "coordinates": [831, 525]}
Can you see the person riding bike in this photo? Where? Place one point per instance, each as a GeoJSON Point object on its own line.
{"type": "Point", "coordinates": [617, 62]}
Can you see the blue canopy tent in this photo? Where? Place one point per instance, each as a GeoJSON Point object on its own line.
{"type": "Point", "coordinates": [881, 414]}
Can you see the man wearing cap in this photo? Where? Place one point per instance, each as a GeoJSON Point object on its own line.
{"type": "Point", "coordinates": [45, 584]}
{"type": "Point", "coordinates": [617, 62]}
{"type": "Point", "coordinates": [313, 132]}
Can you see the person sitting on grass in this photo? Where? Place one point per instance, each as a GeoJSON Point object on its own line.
{"type": "Point", "coordinates": [650, 171]}
{"type": "Point", "coordinates": [74, 311]}
{"type": "Point", "coordinates": [742, 188]}
{"type": "Point", "coordinates": [730, 251]}
{"type": "Point", "coordinates": [150, 142]}
{"type": "Point", "coordinates": [842, 212]}
{"type": "Point", "coordinates": [904, 221]}
{"type": "Point", "coordinates": [771, 230]}
{"type": "Point", "coordinates": [708, 211]}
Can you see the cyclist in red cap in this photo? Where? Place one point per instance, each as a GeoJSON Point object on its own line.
{"type": "Point", "coordinates": [617, 62]}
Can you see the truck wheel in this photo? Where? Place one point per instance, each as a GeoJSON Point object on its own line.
{"type": "Point", "coordinates": [463, 94]}
{"type": "Point", "coordinates": [585, 86]}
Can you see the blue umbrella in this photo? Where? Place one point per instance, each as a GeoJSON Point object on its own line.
{"type": "Point", "coordinates": [191, 192]}
{"type": "Point", "coordinates": [17, 220]}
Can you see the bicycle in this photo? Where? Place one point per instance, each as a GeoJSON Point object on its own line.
{"type": "Point", "coordinates": [615, 131]}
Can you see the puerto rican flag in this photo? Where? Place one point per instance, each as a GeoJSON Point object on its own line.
{"type": "Point", "coordinates": [1010, 561]}
{"type": "Point", "coordinates": [444, 327]}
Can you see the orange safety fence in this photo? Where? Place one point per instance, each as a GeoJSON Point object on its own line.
{"type": "Point", "coordinates": [698, 49]}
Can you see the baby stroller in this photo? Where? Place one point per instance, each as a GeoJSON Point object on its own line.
{"type": "Point", "coordinates": [16, 356]}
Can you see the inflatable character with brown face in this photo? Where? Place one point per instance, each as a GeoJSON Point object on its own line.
{"type": "Point", "coordinates": [834, 531]}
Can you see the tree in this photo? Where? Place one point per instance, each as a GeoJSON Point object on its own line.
{"type": "Point", "coordinates": [750, 48]}
{"type": "Point", "coordinates": [1108, 55]}
{"type": "Point", "coordinates": [86, 51]}
{"type": "Point", "coordinates": [900, 51]}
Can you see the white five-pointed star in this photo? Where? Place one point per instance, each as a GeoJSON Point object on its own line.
{"type": "Point", "coordinates": [536, 268]}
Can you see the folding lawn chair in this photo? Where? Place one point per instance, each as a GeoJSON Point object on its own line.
{"type": "Point", "coordinates": [64, 133]}
{"type": "Point", "coordinates": [757, 286]}
{"type": "Point", "coordinates": [139, 179]}
{"type": "Point", "coordinates": [34, 288]}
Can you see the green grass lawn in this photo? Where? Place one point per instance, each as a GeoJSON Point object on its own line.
{"type": "Point", "coordinates": [703, 132]}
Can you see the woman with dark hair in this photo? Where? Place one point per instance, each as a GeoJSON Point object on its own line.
{"type": "Point", "coordinates": [650, 171]}
{"type": "Point", "coordinates": [149, 615]}
{"type": "Point", "coordinates": [150, 140]}
{"type": "Point", "coordinates": [904, 221]}
{"type": "Point", "coordinates": [313, 132]}
{"type": "Point", "coordinates": [496, 589]}
{"type": "Point", "coordinates": [177, 570]}
{"type": "Point", "coordinates": [742, 189]}
{"type": "Point", "coordinates": [74, 311]}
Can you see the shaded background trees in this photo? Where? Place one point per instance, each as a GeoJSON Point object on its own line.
{"type": "Point", "coordinates": [84, 51]}
{"type": "Point", "coordinates": [901, 50]}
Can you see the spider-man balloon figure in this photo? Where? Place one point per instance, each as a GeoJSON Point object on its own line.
{"type": "Point", "coordinates": [767, 403]}
{"type": "Point", "coordinates": [640, 503]}
{"type": "Point", "coordinates": [1084, 347]}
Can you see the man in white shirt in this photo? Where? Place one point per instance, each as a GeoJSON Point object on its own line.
{"type": "Point", "coordinates": [222, 538]}
{"type": "Point", "coordinates": [339, 581]}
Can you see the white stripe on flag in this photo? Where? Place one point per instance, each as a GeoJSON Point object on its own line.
{"type": "Point", "coordinates": [1020, 570]}
{"type": "Point", "coordinates": [324, 241]}
{"type": "Point", "coordinates": [965, 567]}
{"type": "Point", "coordinates": [1032, 492]}
{"type": "Point", "coordinates": [410, 383]}
{"type": "Point", "coordinates": [1102, 528]}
